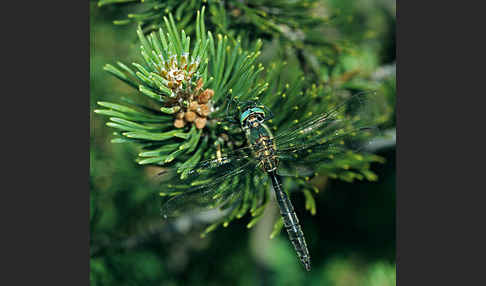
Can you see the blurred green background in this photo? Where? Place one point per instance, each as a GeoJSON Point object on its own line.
{"type": "Point", "coordinates": [351, 238]}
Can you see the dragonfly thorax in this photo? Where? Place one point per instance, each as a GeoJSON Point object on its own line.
{"type": "Point", "coordinates": [253, 121]}
{"type": "Point", "coordinates": [265, 152]}
{"type": "Point", "coordinates": [260, 139]}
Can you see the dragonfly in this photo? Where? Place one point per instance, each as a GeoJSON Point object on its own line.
{"type": "Point", "coordinates": [346, 127]}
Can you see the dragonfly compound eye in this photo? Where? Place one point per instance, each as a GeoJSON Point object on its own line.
{"type": "Point", "coordinates": [252, 112]}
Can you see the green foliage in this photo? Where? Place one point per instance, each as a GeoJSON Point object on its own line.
{"type": "Point", "coordinates": [297, 27]}
{"type": "Point", "coordinates": [267, 18]}
{"type": "Point", "coordinates": [220, 65]}
{"type": "Point", "coordinates": [379, 273]}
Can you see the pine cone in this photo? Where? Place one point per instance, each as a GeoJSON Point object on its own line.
{"type": "Point", "coordinates": [190, 116]}
{"type": "Point", "coordinates": [193, 106]}
{"type": "Point", "coordinates": [179, 123]}
{"type": "Point", "coordinates": [180, 115]}
{"type": "Point", "coordinates": [205, 96]}
{"type": "Point", "coordinates": [204, 110]}
{"type": "Point", "coordinates": [200, 122]}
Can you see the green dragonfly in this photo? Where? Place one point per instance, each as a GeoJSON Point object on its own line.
{"type": "Point", "coordinates": [347, 127]}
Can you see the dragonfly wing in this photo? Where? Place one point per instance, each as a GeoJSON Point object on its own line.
{"type": "Point", "coordinates": [208, 167]}
{"type": "Point", "coordinates": [206, 193]}
{"type": "Point", "coordinates": [359, 111]}
{"type": "Point", "coordinates": [347, 127]}
{"type": "Point", "coordinates": [294, 170]}
{"type": "Point", "coordinates": [343, 140]}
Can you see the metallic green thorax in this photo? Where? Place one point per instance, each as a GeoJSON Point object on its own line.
{"type": "Point", "coordinates": [254, 131]}
{"type": "Point", "coordinates": [260, 139]}
{"type": "Point", "coordinates": [264, 150]}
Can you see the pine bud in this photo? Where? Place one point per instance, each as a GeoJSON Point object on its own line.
{"type": "Point", "coordinates": [200, 122]}
{"type": "Point", "coordinates": [199, 84]}
{"type": "Point", "coordinates": [180, 115]}
{"type": "Point", "coordinates": [179, 123]}
{"type": "Point", "coordinates": [190, 116]}
{"type": "Point", "coordinates": [193, 106]}
{"type": "Point", "coordinates": [205, 96]}
{"type": "Point", "coordinates": [204, 110]}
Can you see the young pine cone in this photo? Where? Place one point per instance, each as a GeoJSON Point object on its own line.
{"type": "Point", "coordinates": [205, 96]}
{"type": "Point", "coordinates": [193, 106]}
{"type": "Point", "coordinates": [180, 115]}
{"type": "Point", "coordinates": [203, 110]}
{"type": "Point", "coordinates": [197, 110]}
{"type": "Point", "coordinates": [190, 116]}
{"type": "Point", "coordinates": [200, 122]}
{"type": "Point", "coordinates": [179, 123]}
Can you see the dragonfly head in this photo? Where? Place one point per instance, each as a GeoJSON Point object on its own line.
{"type": "Point", "coordinates": [252, 117]}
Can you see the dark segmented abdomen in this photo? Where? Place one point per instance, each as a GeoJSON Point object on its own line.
{"type": "Point", "coordinates": [291, 221]}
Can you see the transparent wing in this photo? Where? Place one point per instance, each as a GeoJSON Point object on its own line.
{"type": "Point", "coordinates": [214, 166]}
{"type": "Point", "coordinates": [218, 191]}
{"type": "Point", "coordinates": [360, 110]}
{"type": "Point", "coordinates": [345, 128]}
{"type": "Point", "coordinates": [192, 187]}
{"type": "Point", "coordinates": [296, 169]}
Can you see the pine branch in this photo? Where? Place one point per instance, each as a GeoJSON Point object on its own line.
{"type": "Point", "coordinates": [191, 84]}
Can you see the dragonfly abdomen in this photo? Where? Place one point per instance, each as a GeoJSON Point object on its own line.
{"type": "Point", "coordinates": [291, 221]}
